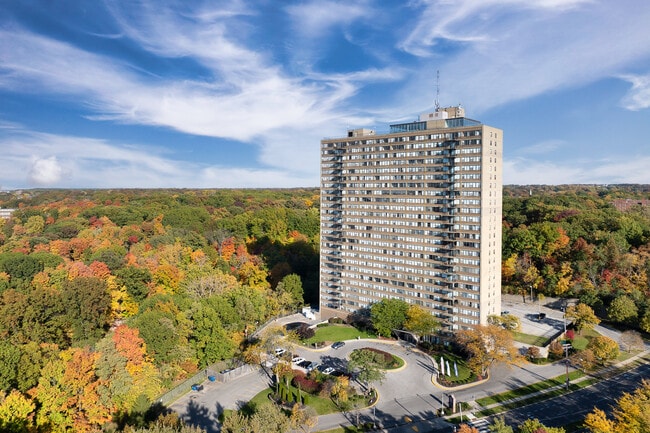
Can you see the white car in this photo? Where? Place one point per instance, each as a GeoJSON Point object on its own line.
{"type": "Point", "coordinates": [279, 351]}
{"type": "Point", "coordinates": [297, 359]}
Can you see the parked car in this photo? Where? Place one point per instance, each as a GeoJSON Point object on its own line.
{"type": "Point", "coordinates": [327, 370]}
{"type": "Point", "coordinates": [312, 365]}
{"type": "Point", "coordinates": [279, 351]}
{"type": "Point", "coordinates": [338, 345]}
{"type": "Point", "coordinates": [297, 359]}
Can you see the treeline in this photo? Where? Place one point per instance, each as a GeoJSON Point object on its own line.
{"type": "Point", "coordinates": [571, 241]}
{"type": "Point", "coordinates": [107, 298]}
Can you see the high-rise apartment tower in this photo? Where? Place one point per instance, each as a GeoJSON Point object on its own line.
{"type": "Point", "coordinates": [413, 214]}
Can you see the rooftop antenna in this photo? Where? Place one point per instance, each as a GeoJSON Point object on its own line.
{"type": "Point", "coordinates": [437, 101]}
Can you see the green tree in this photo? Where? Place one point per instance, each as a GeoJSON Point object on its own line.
{"type": "Point", "coordinates": [292, 285]}
{"type": "Point", "coordinates": [365, 362]}
{"type": "Point", "coordinates": [9, 361]}
{"type": "Point", "coordinates": [535, 426]}
{"type": "Point", "coordinates": [645, 321]}
{"type": "Point", "coordinates": [20, 267]}
{"type": "Point", "coordinates": [583, 317]}
{"type": "Point", "coordinates": [499, 426]}
{"type": "Point", "coordinates": [388, 314]}
{"type": "Point", "coordinates": [87, 303]}
{"type": "Point", "coordinates": [209, 338]}
{"type": "Point", "coordinates": [136, 281]}
{"type": "Point", "coordinates": [623, 310]}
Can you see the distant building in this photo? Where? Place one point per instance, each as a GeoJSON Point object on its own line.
{"type": "Point", "coordinates": [625, 204]}
{"type": "Point", "coordinates": [414, 214]}
{"type": "Point", "coordinates": [6, 213]}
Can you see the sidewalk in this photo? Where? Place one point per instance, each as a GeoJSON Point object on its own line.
{"type": "Point", "coordinates": [601, 374]}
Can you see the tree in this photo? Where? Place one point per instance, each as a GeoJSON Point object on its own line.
{"type": "Point", "coordinates": [485, 345]}
{"type": "Point", "coordinates": [269, 418]}
{"type": "Point", "coordinates": [88, 307]}
{"type": "Point", "coordinates": [292, 286]}
{"type": "Point", "coordinates": [604, 348]}
{"type": "Point", "coordinates": [584, 359]}
{"type": "Point", "coordinates": [622, 310]}
{"type": "Point", "coordinates": [16, 413]}
{"type": "Point", "coordinates": [136, 281]}
{"type": "Point", "coordinates": [645, 321]}
{"type": "Point", "coordinates": [631, 340]}
{"type": "Point", "coordinates": [464, 428]}
{"type": "Point", "coordinates": [125, 369]}
{"type": "Point", "coordinates": [365, 361]}
{"type": "Point", "coordinates": [236, 422]}
{"type": "Point", "coordinates": [420, 321]}
{"type": "Point", "coordinates": [499, 426]}
{"type": "Point", "coordinates": [210, 340]}
{"type": "Point", "coordinates": [304, 418]}
{"type": "Point", "coordinates": [583, 317]}
{"type": "Point", "coordinates": [9, 361]}
{"type": "Point", "coordinates": [631, 414]}
{"type": "Point", "coordinates": [535, 426]}
{"type": "Point", "coordinates": [68, 394]}
{"type": "Point", "coordinates": [533, 353]}
{"type": "Point", "coordinates": [388, 314]}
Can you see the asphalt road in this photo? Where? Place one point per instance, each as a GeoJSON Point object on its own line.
{"type": "Point", "coordinates": [576, 405]}
{"type": "Point", "coordinates": [408, 392]}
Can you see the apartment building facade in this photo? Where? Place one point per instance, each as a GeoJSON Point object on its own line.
{"type": "Point", "coordinates": [414, 214]}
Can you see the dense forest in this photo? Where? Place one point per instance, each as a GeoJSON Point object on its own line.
{"type": "Point", "coordinates": [110, 297]}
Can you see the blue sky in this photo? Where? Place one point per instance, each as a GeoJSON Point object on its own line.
{"type": "Point", "coordinates": [191, 94]}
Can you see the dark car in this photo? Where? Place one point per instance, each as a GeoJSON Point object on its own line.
{"type": "Point", "coordinates": [304, 364]}
{"type": "Point", "coordinates": [338, 345]}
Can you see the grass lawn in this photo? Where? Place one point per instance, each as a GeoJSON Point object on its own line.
{"type": "Point", "coordinates": [332, 333]}
{"type": "Point", "coordinates": [533, 340]}
{"type": "Point", "coordinates": [322, 406]}
{"type": "Point", "coordinates": [580, 341]}
{"type": "Point", "coordinates": [526, 390]}
{"type": "Point", "coordinates": [464, 372]}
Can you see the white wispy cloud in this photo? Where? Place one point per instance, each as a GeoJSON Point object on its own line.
{"type": "Point", "coordinates": [505, 51]}
{"type": "Point", "coordinates": [638, 97]}
{"type": "Point", "coordinates": [525, 171]}
{"type": "Point", "coordinates": [43, 159]}
{"type": "Point", "coordinates": [547, 146]}
{"type": "Point", "coordinates": [315, 18]}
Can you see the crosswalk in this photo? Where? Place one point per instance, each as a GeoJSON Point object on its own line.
{"type": "Point", "coordinates": [481, 425]}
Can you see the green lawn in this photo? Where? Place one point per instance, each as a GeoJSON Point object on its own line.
{"type": "Point", "coordinates": [533, 340]}
{"type": "Point", "coordinates": [526, 390]}
{"type": "Point", "coordinates": [332, 333]}
{"type": "Point", "coordinates": [322, 406]}
{"type": "Point", "coordinates": [464, 373]}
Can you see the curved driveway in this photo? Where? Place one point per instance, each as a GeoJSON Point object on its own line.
{"type": "Point", "coordinates": [407, 392]}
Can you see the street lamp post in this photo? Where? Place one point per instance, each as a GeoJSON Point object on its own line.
{"type": "Point", "coordinates": [566, 363]}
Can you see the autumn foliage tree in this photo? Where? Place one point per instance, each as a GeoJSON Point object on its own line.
{"type": "Point", "coordinates": [486, 344]}
{"type": "Point", "coordinates": [631, 414]}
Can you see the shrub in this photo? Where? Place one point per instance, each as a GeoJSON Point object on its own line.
{"type": "Point", "coordinates": [304, 383]}
{"type": "Point", "coordinates": [305, 332]}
